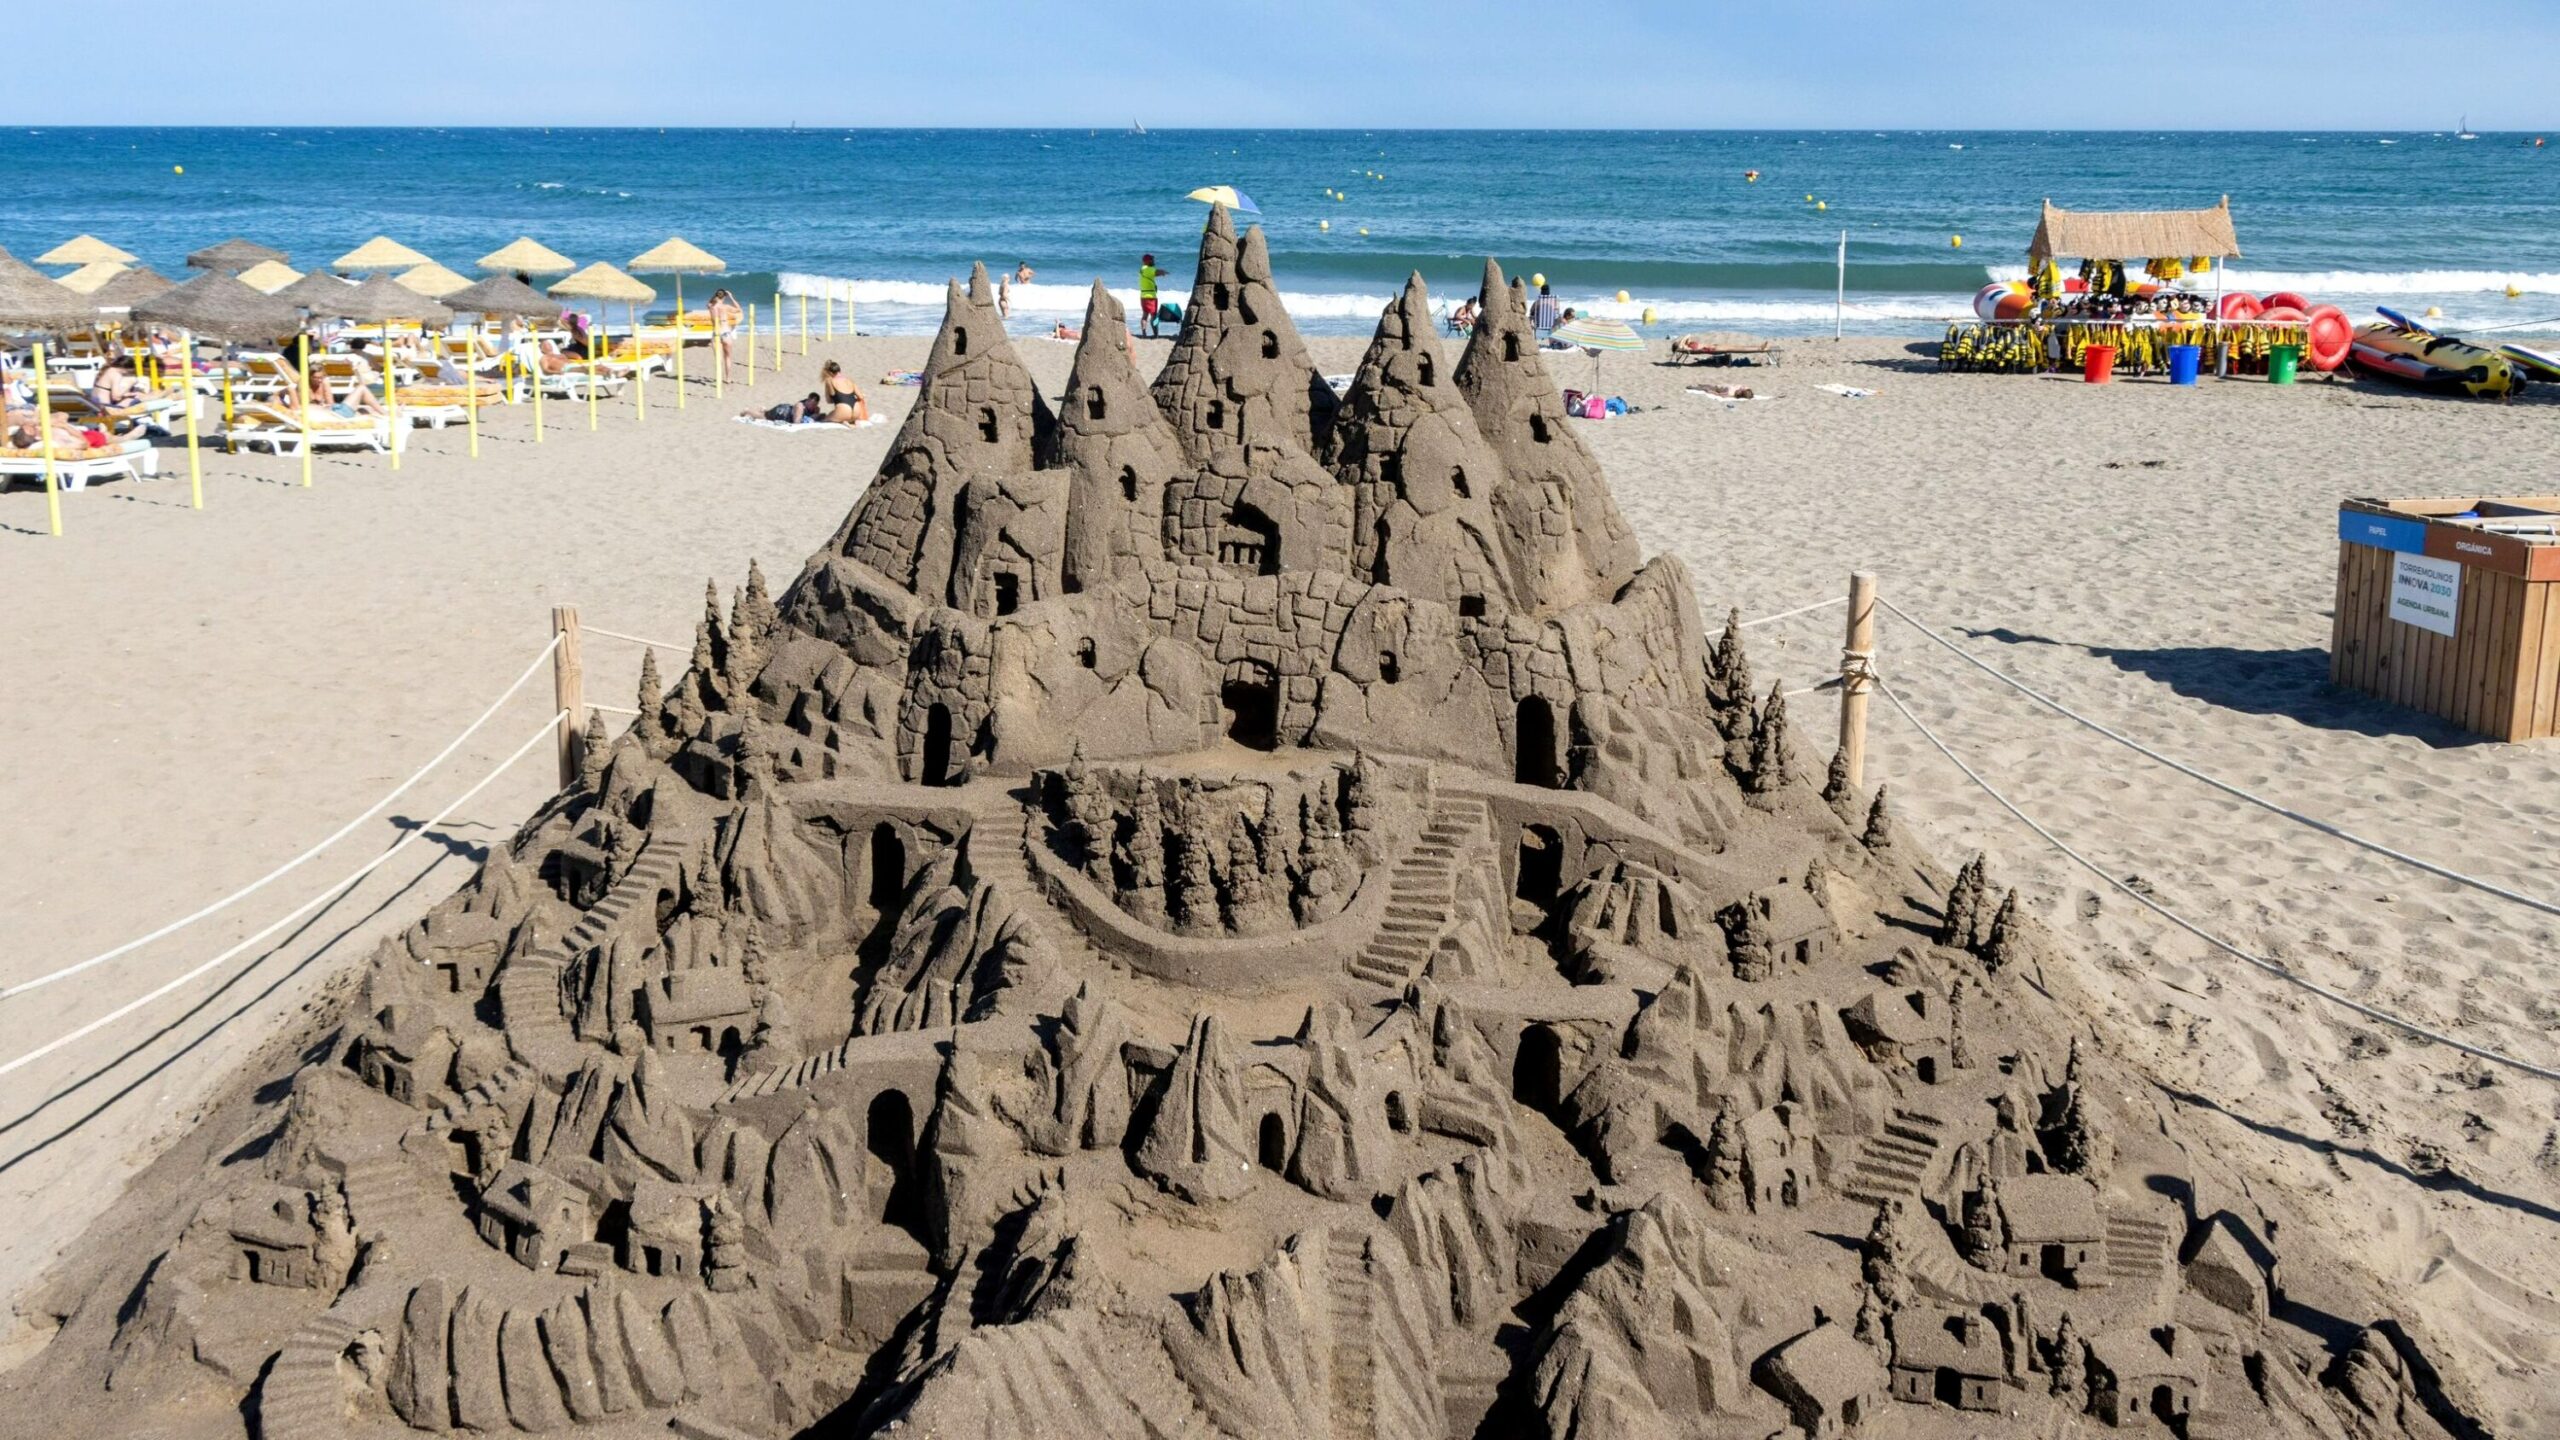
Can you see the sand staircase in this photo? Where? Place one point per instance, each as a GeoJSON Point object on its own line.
{"type": "Point", "coordinates": [2137, 1249]}
{"type": "Point", "coordinates": [1893, 1161]}
{"type": "Point", "coordinates": [385, 1194]}
{"type": "Point", "coordinates": [1422, 894]}
{"type": "Point", "coordinates": [1347, 1294]}
{"type": "Point", "coordinates": [1933, 1264]}
{"type": "Point", "coordinates": [529, 988]}
{"type": "Point", "coordinates": [303, 1395]}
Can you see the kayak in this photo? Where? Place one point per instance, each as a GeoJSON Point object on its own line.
{"type": "Point", "coordinates": [2435, 363]}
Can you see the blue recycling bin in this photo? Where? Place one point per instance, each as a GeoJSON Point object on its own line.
{"type": "Point", "coordinates": [2184, 362]}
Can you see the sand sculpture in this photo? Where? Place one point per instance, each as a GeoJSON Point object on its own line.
{"type": "Point", "coordinates": [1207, 910]}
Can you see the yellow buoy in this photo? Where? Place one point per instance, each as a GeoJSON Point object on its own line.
{"type": "Point", "coordinates": [1808, 199]}
{"type": "Point", "coordinates": [1324, 224]}
{"type": "Point", "coordinates": [1364, 229]}
{"type": "Point", "coordinates": [1622, 297]}
{"type": "Point", "coordinates": [1955, 242]}
{"type": "Point", "coordinates": [2513, 292]}
{"type": "Point", "coordinates": [2435, 312]}
{"type": "Point", "coordinates": [1648, 315]}
{"type": "Point", "coordinates": [1821, 204]}
{"type": "Point", "coordinates": [177, 169]}
{"type": "Point", "coordinates": [1538, 279]}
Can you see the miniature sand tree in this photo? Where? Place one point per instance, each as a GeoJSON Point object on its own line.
{"type": "Point", "coordinates": [1878, 834]}
{"type": "Point", "coordinates": [595, 748]}
{"type": "Point", "coordinates": [724, 1249]}
{"type": "Point", "coordinates": [1142, 852]}
{"type": "Point", "coordinates": [2074, 1144]}
{"type": "Point", "coordinates": [1195, 882]}
{"type": "Point", "coordinates": [2067, 1367]}
{"type": "Point", "coordinates": [1768, 768]}
{"type": "Point", "coordinates": [1723, 1161]}
{"type": "Point", "coordinates": [2005, 944]}
{"type": "Point", "coordinates": [1089, 816]}
{"type": "Point", "coordinates": [1837, 792]}
{"type": "Point", "coordinates": [1360, 808]}
{"type": "Point", "coordinates": [1964, 902]}
{"type": "Point", "coordinates": [1986, 1230]}
{"type": "Point", "coordinates": [1746, 939]}
{"type": "Point", "coordinates": [1247, 901]}
{"type": "Point", "coordinates": [1319, 858]}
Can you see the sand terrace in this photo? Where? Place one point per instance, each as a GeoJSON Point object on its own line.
{"type": "Point", "coordinates": [198, 696]}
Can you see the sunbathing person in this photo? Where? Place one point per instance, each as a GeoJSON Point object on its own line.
{"type": "Point", "coordinates": [69, 441]}
{"type": "Point", "coordinates": [116, 387]}
{"type": "Point", "coordinates": [840, 400]}
{"type": "Point", "coordinates": [359, 401]}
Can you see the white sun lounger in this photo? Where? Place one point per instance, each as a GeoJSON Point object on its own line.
{"type": "Point", "coordinates": [133, 460]}
{"type": "Point", "coordinates": [281, 430]}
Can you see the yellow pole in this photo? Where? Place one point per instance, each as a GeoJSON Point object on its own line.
{"type": "Point", "coordinates": [391, 392]}
{"type": "Point", "coordinates": [44, 427]}
{"type": "Point", "coordinates": [226, 396]}
{"type": "Point", "coordinates": [640, 356]}
{"type": "Point", "coordinates": [533, 372]}
{"type": "Point", "coordinates": [302, 346]}
{"type": "Point", "coordinates": [804, 322]}
{"type": "Point", "coordinates": [680, 337]}
{"type": "Point", "coordinates": [187, 393]}
{"type": "Point", "coordinates": [471, 387]}
{"type": "Point", "coordinates": [751, 343]}
{"type": "Point", "coordinates": [719, 349]}
{"type": "Point", "coordinates": [827, 303]}
{"type": "Point", "coordinates": [777, 332]}
{"type": "Point", "coordinates": [594, 340]}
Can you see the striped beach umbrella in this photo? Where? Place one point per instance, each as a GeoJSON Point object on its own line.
{"type": "Point", "coordinates": [1598, 332]}
{"type": "Point", "coordinates": [1227, 195]}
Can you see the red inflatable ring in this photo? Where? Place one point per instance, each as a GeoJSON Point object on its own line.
{"type": "Point", "coordinates": [2240, 305]}
{"type": "Point", "coordinates": [2282, 315]}
{"type": "Point", "coordinates": [2332, 336]}
{"type": "Point", "coordinates": [2286, 299]}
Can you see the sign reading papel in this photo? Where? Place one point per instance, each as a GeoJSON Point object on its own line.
{"type": "Point", "coordinates": [2425, 592]}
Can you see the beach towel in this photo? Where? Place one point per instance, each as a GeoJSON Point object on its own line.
{"type": "Point", "coordinates": [763, 424]}
{"type": "Point", "coordinates": [903, 377]}
{"type": "Point", "coordinates": [1851, 391]}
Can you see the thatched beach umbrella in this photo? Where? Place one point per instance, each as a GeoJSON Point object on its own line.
{"type": "Point", "coordinates": [507, 295]}
{"type": "Point", "coordinates": [218, 306]}
{"type": "Point", "coordinates": [380, 301]}
{"type": "Point", "coordinates": [234, 255]}
{"type": "Point", "coordinates": [527, 256]}
{"type": "Point", "coordinates": [380, 253]}
{"type": "Point", "coordinates": [29, 301]}
{"type": "Point", "coordinates": [84, 250]}
{"type": "Point", "coordinates": [432, 280]}
{"type": "Point", "coordinates": [680, 257]}
{"type": "Point", "coordinates": [601, 281]}
{"type": "Point", "coordinates": [128, 287]}
{"type": "Point", "coordinates": [269, 276]}
{"type": "Point", "coordinates": [89, 277]}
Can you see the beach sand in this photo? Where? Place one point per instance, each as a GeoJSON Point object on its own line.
{"type": "Point", "coordinates": [199, 696]}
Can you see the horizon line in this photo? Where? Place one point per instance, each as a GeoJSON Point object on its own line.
{"type": "Point", "coordinates": [1116, 129]}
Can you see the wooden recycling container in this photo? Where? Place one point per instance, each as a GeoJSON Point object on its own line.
{"type": "Point", "coordinates": [2451, 605]}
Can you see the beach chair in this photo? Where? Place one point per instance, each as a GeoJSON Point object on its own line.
{"type": "Point", "coordinates": [279, 428]}
{"type": "Point", "coordinates": [1724, 347]}
{"type": "Point", "coordinates": [571, 384]}
{"type": "Point", "coordinates": [435, 405]}
{"type": "Point", "coordinates": [162, 412]}
{"type": "Point", "coordinates": [133, 460]}
{"type": "Point", "coordinates": [263, 373]}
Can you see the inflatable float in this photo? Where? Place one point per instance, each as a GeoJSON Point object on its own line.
{"type": "Point", "coordinates": [2540, 364]}
{"type": "Point", "coordinates": [2438, 364]}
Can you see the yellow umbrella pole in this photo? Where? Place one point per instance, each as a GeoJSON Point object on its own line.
{"type": "Point", "coordinates": [391, 392]}
{"type": "Point", "coordinates": [187, 393]}
{"type": "Point", "coordinates": [302, 347]}
{"type": "Point", "coordinates": [639, 356]}
{"type": "Point", "coordinates": [804, 322]}
{"type": "Point", "coordinates": [593, 340]}
{"type": "Point", "coordinates": [777, 332]}
{"type": "Point", "coordinates": [827, 304]}
{"type": "Point", "coordinates": [680, 342]}
{"type": "Point", "coordinates": [471, 389]}
{"type": "Point", "coordinates": [44, 427]}
{"type": "Point", "coordinates": [751, 343]}
{"type": "Point", "coordinates": [719, 348]}
{"type": "Point", "coordinates": [226, 395]}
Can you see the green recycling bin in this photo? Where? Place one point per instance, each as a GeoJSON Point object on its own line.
{"type": "Point", "coordinates": [2282, 363]}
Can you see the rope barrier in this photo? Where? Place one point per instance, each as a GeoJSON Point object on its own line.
{"type": "Point", "coordinates": [296, 912]}
{"type": "Point", "coordinates": [634, 639]}
{"type": "Point", "coordinates": [253, 887]}
{"type": "Point", "coordinates": [2270, 806]}
{"type": "Point", "coordinates": [1799, 610]}
{"type": "Point", "coordinates": [2258, 961]}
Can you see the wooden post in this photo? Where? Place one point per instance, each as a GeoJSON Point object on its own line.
{"type": "Point", "coordinates": [1856, 676]}
{"type": "Point", "coordinates": [568, 689]}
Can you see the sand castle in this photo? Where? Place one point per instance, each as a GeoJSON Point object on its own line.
{"type": "Point", "coordinates": [1218, 909]}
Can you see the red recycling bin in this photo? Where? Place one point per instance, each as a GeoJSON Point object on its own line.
{"type": "Point", "coordinates": [2100, 366]}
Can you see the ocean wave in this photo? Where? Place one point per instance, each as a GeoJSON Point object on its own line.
{"type": "Point", "coordinates": [1068, 302]}
{"type": "Point", "coordinates": [2316, 283]}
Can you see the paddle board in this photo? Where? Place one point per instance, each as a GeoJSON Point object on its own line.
{"type": "Point", "coordinates": [2541, 364]}
{"type": "Point", "coordinates": [2403, 321]}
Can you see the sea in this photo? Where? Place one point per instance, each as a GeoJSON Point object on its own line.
{"type": "Point", "coordinates": [1781, 232]}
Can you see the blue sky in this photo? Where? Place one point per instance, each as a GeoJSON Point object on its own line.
{"type": "Point", "coordinates": [2245, 64]}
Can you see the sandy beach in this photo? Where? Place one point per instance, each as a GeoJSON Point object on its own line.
{"type": "Point", "coordinates": [198, 696]}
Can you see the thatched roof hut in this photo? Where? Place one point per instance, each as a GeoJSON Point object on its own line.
{"type": "Point", "coordinates": [502, 295]}
{"type": "Point", "coordinates": [84, 250]}
{"type": "Point", "coordinates": [380, 253]}
{"type": "Point", "coordinates": [528, 255]}
{"type": "Point", "coordinates": [2133, 234]}
{"type": "Point", "coordinates": [32, 300]}
{"type": "Point", "coordinates": [90, 276]}
{"type": "Point", "coordinates": [216, 306]}
{"type": "Point", "coordinates": [677, 255]}
{"type": "Point", "coordinates": [129, 287]}
{"type": "Point", "coordinates": [269, 276]}
{"type": "Point", "coordinates": [233, 256]}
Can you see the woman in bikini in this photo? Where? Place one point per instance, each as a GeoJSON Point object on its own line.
{"type": "Point", "coordinates": [724, 314]}
{"type": "Point", "coordinates": [840, 400]}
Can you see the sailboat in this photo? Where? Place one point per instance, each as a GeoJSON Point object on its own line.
{"type": "Point", "coordinates": [2465, 132]}
{"type": "Point", "coordinates": [1137, 129]}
